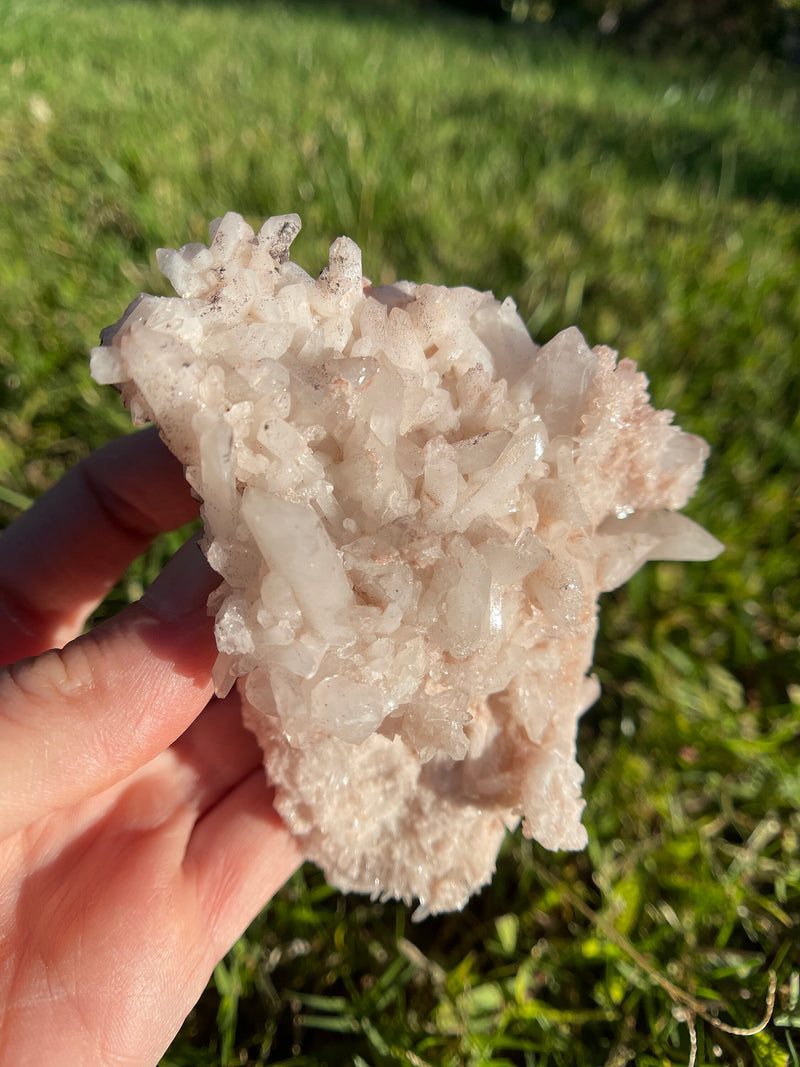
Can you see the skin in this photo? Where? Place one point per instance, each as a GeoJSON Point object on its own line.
{"type": "Point", "coordinates": [137, 833]}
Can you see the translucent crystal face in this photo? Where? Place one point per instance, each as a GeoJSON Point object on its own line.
{"type": "Point", "coordinates": [413, 510]}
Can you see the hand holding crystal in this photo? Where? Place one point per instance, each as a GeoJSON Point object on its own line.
{"type": "Point", "coordinates": [137, 834]}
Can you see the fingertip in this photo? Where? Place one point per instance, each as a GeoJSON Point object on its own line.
{"type": "Point", "coordinates": [184, 585]}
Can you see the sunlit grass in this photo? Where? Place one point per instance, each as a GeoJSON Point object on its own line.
{"type": "Point", "coordinates": [654, 206]}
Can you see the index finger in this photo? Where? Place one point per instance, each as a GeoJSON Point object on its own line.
{"type": "Point", "coordinates": [61, 558]}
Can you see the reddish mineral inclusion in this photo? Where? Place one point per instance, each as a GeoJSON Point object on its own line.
{"type": "Point", "coordinates": [413, 509]}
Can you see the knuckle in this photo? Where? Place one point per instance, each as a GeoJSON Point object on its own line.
{"type": "Point", "coordinates": [56, 675]}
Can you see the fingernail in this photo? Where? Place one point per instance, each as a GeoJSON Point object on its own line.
{"type": "Point", "coordinates": [184, 585]}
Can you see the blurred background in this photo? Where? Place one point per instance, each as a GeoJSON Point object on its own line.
{"type": "Point", "coordinates": [629, 167]}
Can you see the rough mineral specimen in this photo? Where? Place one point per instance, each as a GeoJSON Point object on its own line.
{"type": "Point", "coordinates": [413, 509]}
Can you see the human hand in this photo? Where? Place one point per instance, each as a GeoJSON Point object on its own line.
{"type": "Point", "coordinates": [137, 833]}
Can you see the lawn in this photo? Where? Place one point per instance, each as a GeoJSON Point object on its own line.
{"type": "Point", "coordinates": [656, 206]}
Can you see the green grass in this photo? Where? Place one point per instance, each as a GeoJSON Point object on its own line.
{"type": "Point", "coordinates": [656, 206]}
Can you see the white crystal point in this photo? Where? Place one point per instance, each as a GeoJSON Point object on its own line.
{"type": "Point", "coordinates": [277, 234]}
{"type": "Point", "coordinates": [227, 235]}
{"type": "Point", "coordinates": [678, 537]}
{"type": "Point", "coordinates": [186, 280]}
{"type": "Point", "coordinates": [562, 373]}
{"type": "Point", "coordinates": [343, 274]}
{"type": "Point", "coordinates": [295, 545]}
{"type": "Point", "coordinates": [413, 510]}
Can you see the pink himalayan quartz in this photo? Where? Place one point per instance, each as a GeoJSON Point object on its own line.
{"type": "Point", "coordinates": [413, 509]}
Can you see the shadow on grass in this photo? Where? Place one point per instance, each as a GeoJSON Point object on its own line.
{"type": "Point", "coordinates": [666, 142]}
{"type": "Point", "coordinates": [651, 148]}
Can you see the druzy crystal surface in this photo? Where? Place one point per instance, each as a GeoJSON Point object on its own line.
{"type": "Point", "coordinates": [413, 509]}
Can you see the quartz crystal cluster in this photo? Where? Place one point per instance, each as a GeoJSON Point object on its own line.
{"type": "Point", "coordinates": [413, 509]}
